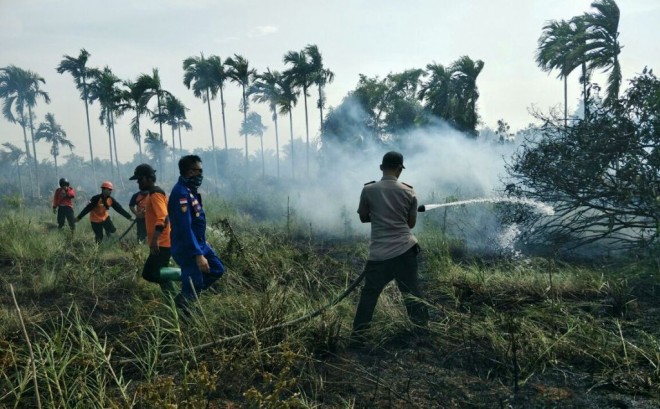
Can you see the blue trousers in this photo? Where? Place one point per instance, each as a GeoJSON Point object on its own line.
{"type": "Point", "coordinates": [190, 272]}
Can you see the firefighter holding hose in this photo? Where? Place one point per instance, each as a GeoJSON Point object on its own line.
{"type": "Point", "coordinates": [391, 208]}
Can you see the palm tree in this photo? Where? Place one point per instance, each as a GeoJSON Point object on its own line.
{"type": "Point", "coordinates": [104, 88]}
{"type": "Point", "coordinates": [578, 53]}
{"type": "Point", "coordinates": [288, 99]}
{"type": "Point", "coordinates": [322, 76]}
{"type": "Point", "coordinates": [174, 114]}
{"type": "Point", "coordinates": [198, 74]}
{"type": "Point", "coordinates": [241, 73]}
{"type": "Point", "coordinates": [54, 134]}
{"type": "Point", "coordinates": [77, 67]}
{"type": "Point", "coordinates": [13, 155]}
{"type": "Point", "coordinates": [302, 76]}
{"type": "Point", "coordinates": [156, 147]}
{"type": "Point", "coordinates": [266, 89]}
{"type": "Point", "coordinates": [219, 76]}
{"type": "Point", "coordinates": [435, 91]}
{"type": "Point", "coordinates": [153, 88]}
{"type": "Point", "coordinates": [20, 89]}
{"type": "Point", "coordinates": [603, 46]}
{"type": "Point", "coordinates": [254, 126]}
{"type": "Point", "coordinates": [132, 98]}
{"type": "Point", "coordinates": [558, 50]}
{"type": "Point", "coordinates": [464, 73]}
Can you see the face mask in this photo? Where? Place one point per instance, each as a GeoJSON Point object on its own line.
{"type": "Point", "coordinates": [194, 182]}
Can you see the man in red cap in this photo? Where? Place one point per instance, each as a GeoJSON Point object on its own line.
{"type": "Point", "coordinates": [391, 208]}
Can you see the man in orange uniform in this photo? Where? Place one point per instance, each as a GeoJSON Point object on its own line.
{"type": "Point", "coordinates": [98, 207]}
{"type": "Point", "coordinates": [63, 204]}
{"type": "Point", "coordinates": [157, 225]}
{"type": "Point", "coordinates": [136, 205]}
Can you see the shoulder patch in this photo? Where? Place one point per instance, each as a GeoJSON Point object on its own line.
{"type": "Point", "coordinates": [368, 183]}
{"type": "Point", "coordinates": [407, 185]}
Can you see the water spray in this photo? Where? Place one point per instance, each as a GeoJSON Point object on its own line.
{"type": "Point", "coordinates": [539, 206]}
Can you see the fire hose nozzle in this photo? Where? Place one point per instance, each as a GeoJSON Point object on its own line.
{"type": "Point", "coordinates": [421, 208]}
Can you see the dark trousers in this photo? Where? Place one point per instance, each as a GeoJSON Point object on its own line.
{"type": "Point", "coordinates": [151, 269]}
{"type": "Point", "coordinates": [65, 213]}
{"type": "Point", "coordinates": [190, 273]}
{"type": "Point", "coordinates": [141, 226]}
{"type": "Point", "coordinates": [98, 229]}
{"type": "Point", "coordinates": [402, 269]}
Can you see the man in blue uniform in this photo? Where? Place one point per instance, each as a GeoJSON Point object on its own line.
{"type": "Point", "coordinates": [200, 266]}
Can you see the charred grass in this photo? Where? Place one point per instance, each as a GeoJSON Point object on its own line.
{"type": "Point", "coordinates": [522, 333]}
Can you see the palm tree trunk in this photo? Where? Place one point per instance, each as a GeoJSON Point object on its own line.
{"type": "Point", "coordinates": [114, 142]}
{"type": "Point", "coordinates": [291, 130]}
{"type": "Point", "coordinates": [112, 168]}
{"type": "Point", "coordinates": [34, 151]}
{"type": "Point", "coordinates": [263, 161]}
{"type": "Point", "coordinates": [27, 154]}
{"type": "Point", "coordinates": [306, 131]}
{"type": "Point", "coordinates": [160, 115]}
{"type": "Point", "coordinates": [224, 125]}
{"type": "Point", "coordinates": [173, 153]}
{"type": "Point", "coordinates": [57, 176]}
{"type": "Point", "coordinates": [565, 101]}
{"type": "Point", "coordinates": [18, 175]}
{"type": "Point", "coordinates": [245, 122]}
{"type": "Point", "coordinates": [585, 97]}
{"type": "Point", "coordinates": [277, 143]}
{"type": "Point", "coordinates": [89, 132]}
{"type": "Point", "coordinates": [180, 145]}
{"type": "Point", "coordinates": [139, 141]}
{"type": "Point", "coordinates": [321, 105]}
{"type": "Point", "coordinates": [215, 160]}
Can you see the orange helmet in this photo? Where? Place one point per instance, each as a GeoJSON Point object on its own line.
{"type": "Point", "coordinates": [106, 185]}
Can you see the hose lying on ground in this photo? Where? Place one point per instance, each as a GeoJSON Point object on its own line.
{"type": "Point", "coordinates": [304, 318]}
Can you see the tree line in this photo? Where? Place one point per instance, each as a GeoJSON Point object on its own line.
{"type": "Point", "coordinates": [146, 97]}
{"type": "Point", "coordinates": [601, 172]}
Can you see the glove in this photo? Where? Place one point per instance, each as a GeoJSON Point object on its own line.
{"type": "Point", "coordinates": [54, 210]}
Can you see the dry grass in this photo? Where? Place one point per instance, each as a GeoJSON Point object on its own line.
{"type": "Point", "coordinates": [532, 333]}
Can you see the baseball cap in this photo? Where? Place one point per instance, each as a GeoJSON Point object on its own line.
{"type": "Point", "coordinates": [142, 170]}
{"type": "Point", "coordinates": [392, 159]}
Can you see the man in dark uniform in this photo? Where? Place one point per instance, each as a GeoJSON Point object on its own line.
{"type": "Point", "coordinates": [391, 208]}
{"type": "Point", "coordinates": [200, 266]}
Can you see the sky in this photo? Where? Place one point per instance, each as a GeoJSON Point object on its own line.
{"type": "Point", "coordinates": [355, 37]}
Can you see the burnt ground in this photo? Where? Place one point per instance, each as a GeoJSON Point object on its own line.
{"type": "Point", "coordinates": [412, 370]}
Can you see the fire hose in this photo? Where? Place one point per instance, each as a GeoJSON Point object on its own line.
{"type": "Point", "coordinates": [127, 230]}
{"type": "Point", "coordinates": [304, 318]}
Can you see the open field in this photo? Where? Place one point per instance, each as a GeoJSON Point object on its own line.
{"type": "Point", "coordinates": [79, 320]}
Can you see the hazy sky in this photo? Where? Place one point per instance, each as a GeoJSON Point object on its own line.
{"type": "Point", "coordinates": [369, 37]}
